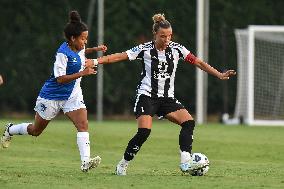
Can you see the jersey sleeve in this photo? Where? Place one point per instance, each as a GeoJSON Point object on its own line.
{"type": "Point", "coordinates": [82, 56]}
{"type": "Point", "coordinates": [134, 52]}
{"type": "Point", "coordinates": [183, 51]}
{"type": "Point", "coordinates": [60, 65]}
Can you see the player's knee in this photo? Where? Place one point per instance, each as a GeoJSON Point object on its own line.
{"type": "Point", "coordinates": [82, 125]}
{"type": "Point", "coordinates": [190, 124]}
{"type": "Point", "coordinates": [143, 133]}
{"type": "Point", "coordinates": [34, 131]}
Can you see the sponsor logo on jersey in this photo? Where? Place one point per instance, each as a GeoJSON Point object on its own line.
{"type": "Point", "coordinates": [162, 72]}
{"type": "Point", "coordinates": [74, 59]}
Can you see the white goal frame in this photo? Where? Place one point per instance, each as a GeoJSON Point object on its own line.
{"type": "Point", "coordinates": [250, 120]}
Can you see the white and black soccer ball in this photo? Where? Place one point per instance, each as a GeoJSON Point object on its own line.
{"type": "Point", "coordinates": [200, 164]}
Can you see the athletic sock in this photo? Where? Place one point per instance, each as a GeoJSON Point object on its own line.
{"type": "Point", "coordinates": [83, 143]}
{"type": "Point", "coordinates": [19, 129]}
{"type": "Point", "coordinates": [135, 143]}
{"type": "Point", "coordinates": [186, 136]}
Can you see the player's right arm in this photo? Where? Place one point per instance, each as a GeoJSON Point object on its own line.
{"type": "Point", "coordinates": [68, 78]}
{"type": "Point", "coordinates": [131, 54]}
{"type": "Point", "coordinates": [60, 66]}
{"type": "Point", "coordinates": [112, 58]}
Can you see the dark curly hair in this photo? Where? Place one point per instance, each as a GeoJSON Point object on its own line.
{"type": "Point", "coordinates": [75, 26]}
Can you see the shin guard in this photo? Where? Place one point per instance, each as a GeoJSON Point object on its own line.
{"type": "Point", "coordinates": [186, 136]}
{"type": "Point", "coordinates": [136, 142]}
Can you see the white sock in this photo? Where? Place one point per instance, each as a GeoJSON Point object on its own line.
{"type": "Point", "coordinates": [83, 143]}
{"type": "Point", "coordinates": [19, 129]}
{"type": "Point", "coordinates": [184, 157]}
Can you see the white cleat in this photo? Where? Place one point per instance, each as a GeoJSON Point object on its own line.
{"type": "Point", "coordinates": [121, 168]}
{"type": "Point", "coordinates": [91, 164]}
{"type": "Point", "coordinates": [6, 138]}
{"type": "Point", "coordinates": [185, 167]}
{"type": "Point", "coordinates": [187, 164]}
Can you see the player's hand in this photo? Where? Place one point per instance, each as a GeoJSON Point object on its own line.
{"type": "Point", "coordinates": [102, 48]}
{"type": "Point", "coordinates": [226, 75]}
{"type": "Point", "coordinates": [89, 71]}
{"type": "Point", "coordinates": [89, 63]}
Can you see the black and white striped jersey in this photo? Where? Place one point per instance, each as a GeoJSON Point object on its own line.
{"type": "Point", "coordinates": [159, 67]}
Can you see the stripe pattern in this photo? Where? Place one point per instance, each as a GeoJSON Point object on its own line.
{"type": "Point", "coordinates": [158, 67]}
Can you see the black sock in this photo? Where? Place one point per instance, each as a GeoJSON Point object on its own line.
{"type": "Point", "coordinates": [186, 135]}
{"type": "Point", "coordinates": [135, 143]}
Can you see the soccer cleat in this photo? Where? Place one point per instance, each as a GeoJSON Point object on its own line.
{"type": "Point", "coordinates": [121, 167]}
{"type": "Point", "coordinates": [92, 163]}
{"type": "Point", "coordinates": [186, 164]}
{"type": "Point", "coordinates": [198, 165]}
{"type": "Point", "coordinates": [6, 138]}
{"type": "Point", "coordinates": [185, 167]}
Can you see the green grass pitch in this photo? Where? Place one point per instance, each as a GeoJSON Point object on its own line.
{"type": "Point", "coordinates": [240, 157]}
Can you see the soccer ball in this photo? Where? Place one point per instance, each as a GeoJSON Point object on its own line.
{"type": "Point", "coordinates": [200, 164]}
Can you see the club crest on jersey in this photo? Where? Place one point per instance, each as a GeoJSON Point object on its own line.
{"type": "Point", "coordinates": [74, 59]}
{"type": "Point", "coordinates": [162, 72]}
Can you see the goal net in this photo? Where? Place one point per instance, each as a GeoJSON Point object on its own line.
{"type": "Point", "coordinates": [260, 87]}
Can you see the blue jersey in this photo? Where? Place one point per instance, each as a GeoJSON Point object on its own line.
{"type": "Point", "coordinates": [67, 62]}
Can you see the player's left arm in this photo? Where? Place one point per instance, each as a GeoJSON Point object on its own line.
{"type": "Point", "coordinates": [209, 69]}
{"type": "Point", "coordinates": [94, 49]}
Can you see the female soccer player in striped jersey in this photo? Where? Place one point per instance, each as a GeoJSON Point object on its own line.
{"type": "Point", "coordinates": [62, 91]}
{"type": "Point", "coordinates": [155, 93]}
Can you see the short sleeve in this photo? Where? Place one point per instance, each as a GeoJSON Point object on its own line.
{"type": "Point", "coordinates": [134, 52]}
{"type": "Point", "coordinates": [183, 51]}
{"type": "Point", "coordinates": [60, 65]}
{"type": "Point", "coordinates": [82, 56]}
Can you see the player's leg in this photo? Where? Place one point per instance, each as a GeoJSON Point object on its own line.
{"type": "Point", "coordinates": [75, 110]}
{"type": "Point", "coordinates": [143, 109]}
{"type": "Point", "coordinates": [185, 120]}
{"type": "Point", "coordinates": [135, 144]}
{"type": "Point", "coordinates": [176, 113]}
{"type": "Point", "coordinates": [45, 111]}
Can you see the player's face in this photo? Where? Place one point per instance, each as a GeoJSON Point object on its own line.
{"type": "Point", "coordinates": [81, 41]}
{"type": "Point", "coordinates": [163, 37]}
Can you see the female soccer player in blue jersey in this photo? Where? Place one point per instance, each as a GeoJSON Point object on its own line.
{"type": "Point", "coordinates": [62, 91]}
{"type": "Point", "coordinates": [155, 93]}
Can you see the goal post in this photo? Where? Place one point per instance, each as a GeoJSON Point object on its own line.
{"type": "Point", "coordinates": [260, 88]}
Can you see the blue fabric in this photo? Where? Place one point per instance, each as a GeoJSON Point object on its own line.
{"type": "Point", "coordinates": [52, 90]}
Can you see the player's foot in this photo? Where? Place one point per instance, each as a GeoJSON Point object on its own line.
{"type": "Point", "coordinates": [7, 137]}
{"type": "Point", "coordinates": [186, 162]}
{"type": "Point", "coordinates": [185, 167]}
{"type": "Point", "coordinates": [92, 163]}
{"type": "Point", "coordinates": [121, 167]}
{"type": "Point", "coordinates": [190, 165]}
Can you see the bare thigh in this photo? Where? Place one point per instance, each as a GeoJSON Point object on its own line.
{"type": "Point", "coordinates": [179, 116]}
{"type": "Point", "coordinates": [79, 119]}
